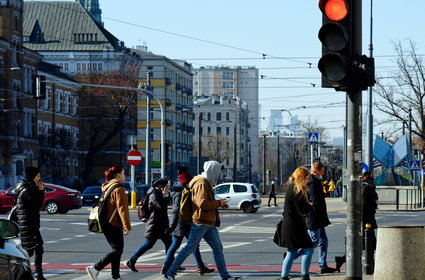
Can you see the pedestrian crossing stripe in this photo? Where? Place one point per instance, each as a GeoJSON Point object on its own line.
{"type": "Point", "coordinates": [313, 137]}
{"type": "Point", "coordinates": [414, 165]}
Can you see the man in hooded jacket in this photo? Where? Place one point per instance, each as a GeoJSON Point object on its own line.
{"type": "Point", "coordinates": [205, 221]}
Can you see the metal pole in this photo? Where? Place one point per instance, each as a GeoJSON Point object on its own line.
{"type": "Point", "coordinates": [148, 133]}
{"type": "Point", "coordinates": [354, 159]}
{"type": "Point", "coordinates": [234, 153]}
{"type": "Point", "coordinates": [278, 160]}
{"type": "Point", "coordinates": [132, 174]}
{"type": "Point", "coordinates": [264, 163]}
{"type": "Point", "coordinates": [199, 143]}
{"type": "Point", "coordinates": [162, 140]}
{"type": "Point", "coordinates": [369, 124]}
{"type": "Point", "coordinates": [311, 155]}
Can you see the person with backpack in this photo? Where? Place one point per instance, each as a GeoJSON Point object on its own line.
{"type": "Point", "coordinates": [205, 220]}
{"type": "Point", "coordinates": [115, 222]}
{"type": "Point", "coordinates": [177, 229]}
{"type": "Point", "coordinates": [156, 223]}
{"type": "Point", "coordinates": [30, 196]}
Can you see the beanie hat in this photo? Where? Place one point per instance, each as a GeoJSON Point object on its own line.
{"type": "Point", "coordinates": [160, 182]}
{"type": "Point", "coordinates": [31, 172]}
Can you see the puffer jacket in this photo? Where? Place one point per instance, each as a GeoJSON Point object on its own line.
{"type": "Point", "coordinates": [206, 207]}
{"type": "Point", "coordinates": [158, 218]}
{"type": "Point", "coordinates": [117, 200]}
{"type": "Point", "coordinates": [28, 202]}
{"type": "Point", "coordinates": [177, 227]}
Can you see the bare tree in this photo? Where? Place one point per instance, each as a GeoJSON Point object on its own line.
{"type": "Point", "coordinates": [217, 147]}
{"type": "Point", "coordinates": [404, 92]}
{"type": "Point", "coordinates": [108, 116]}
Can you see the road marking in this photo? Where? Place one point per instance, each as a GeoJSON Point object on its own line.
{"type": "Point", "coordinates": [248, 230]}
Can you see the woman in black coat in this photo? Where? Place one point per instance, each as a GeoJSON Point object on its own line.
{"type": "Point", "coordinates": [157, 223]}
{"type": "Point", "coordinates": [179, 230]}
{"type": "Point", "coordinates": [294, 233]}
{"type": "Point", "coordinates": [30, 196]}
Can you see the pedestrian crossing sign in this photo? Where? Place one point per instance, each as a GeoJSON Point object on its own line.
{"type": "Point", "coordinates": [313, 137]}
{"type": "Point", "coordinates": [414, 165]}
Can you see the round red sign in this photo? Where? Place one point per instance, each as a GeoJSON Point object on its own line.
{"type": "Point", "coordinates": [134, 157]}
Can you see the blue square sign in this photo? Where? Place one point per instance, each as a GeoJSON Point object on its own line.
{"type": "Point", "coordinates": [313, 137]}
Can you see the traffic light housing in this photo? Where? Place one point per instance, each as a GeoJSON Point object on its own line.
{"type": "Point", "coordinates": [341, 67]}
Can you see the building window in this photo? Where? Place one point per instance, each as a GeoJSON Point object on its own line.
{"type": "Point", "coordinates": [201, 131]}
{"type": "Point", "coordinates": [227, 116]}
{"type": "Point", "coordinates": [208, 116]}
{"type": "Point", "coordinates": [218, 116]}
{"type": "Point", "coordinates": [78, 66]}
{"type": "Point", "coordinates": [218, 130]}
{"type": "Point", "coordinates": [66, 66]}
{"type": "Point", "coordinates": [227, 85]}
{"type": "Point", "coordinates": [99, 66]}
{"type": "Point", "coordinates": [227, 130]}
{"type": "Point", "coordinates": [227, 75]}
{"type": "Point", "coordinates": [209, 130]}
{"type": "Point", "coordinates": [84, 67]}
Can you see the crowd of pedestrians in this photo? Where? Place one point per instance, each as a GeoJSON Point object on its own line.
{"type": "Point", "coordinates": [304, 219]}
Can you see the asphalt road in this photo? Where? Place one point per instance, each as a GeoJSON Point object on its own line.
{"type": "Point", "coordinates": [247, 241]}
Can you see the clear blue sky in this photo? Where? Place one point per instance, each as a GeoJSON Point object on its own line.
{"type": "Point", "coordinates": [284, 30]}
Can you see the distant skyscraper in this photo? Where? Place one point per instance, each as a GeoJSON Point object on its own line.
{"type": "Point", "coordinates": [275, 120]}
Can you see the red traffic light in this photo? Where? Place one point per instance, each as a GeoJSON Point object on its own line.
{"type": "Point", "coordinates": [335, 10]}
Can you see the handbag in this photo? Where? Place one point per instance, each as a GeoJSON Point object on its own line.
{"type": "Point", "coordinates": [277, 238]}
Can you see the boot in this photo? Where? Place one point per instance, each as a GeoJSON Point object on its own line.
{"type": "Point", "coordinates": [339, 262]}
{"type": "Point", "coordinates": [202, 270]}
{"type": "Point", "coordinates": [40, 276]}
{"type": "Point", "coordinates": [305, 277]}
{"type": "Point", "coordinates": [164, 269]}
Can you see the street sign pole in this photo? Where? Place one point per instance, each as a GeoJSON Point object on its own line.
{"type": "Point", "coordinates": [134, 158]}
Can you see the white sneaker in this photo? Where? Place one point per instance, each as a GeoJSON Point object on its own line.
{"type": "Point", "coordinates": [92, 272]}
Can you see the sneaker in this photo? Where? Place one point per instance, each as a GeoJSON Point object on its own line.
{"type": "Point", "coordinates": [92, 272]}
{"type": "Point", "coordinates": [169, 277]}
{"type": "Point", "coordinates": [181, 268]}
{"type": "Point", "coordinates": [203, 270]}
{"type": "Point", "coordinates": [131, 266]}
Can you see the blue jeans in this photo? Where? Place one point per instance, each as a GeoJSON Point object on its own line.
{"type": "Point", "coordinates": [149, 243]}
{"type": "Point", "coordinates": [212, 237]}
{"type": "Point", "coordinates": [307, 254]}
{"type": "Point", "coordinates": [177, 241]}
{"type": "Point", "coordinates": [319, 239]}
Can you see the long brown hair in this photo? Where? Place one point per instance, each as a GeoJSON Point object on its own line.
{"type": "Point", "coordinates": [298, 179]}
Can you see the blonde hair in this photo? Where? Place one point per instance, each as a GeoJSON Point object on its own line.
{"type": "Point", "coordinates": [299, 180]}
{"type": "Point", "coordinates": [317, 166]}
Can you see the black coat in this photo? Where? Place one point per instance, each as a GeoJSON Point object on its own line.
{"type": "Point", "coordinates": [28, 202]}
{"type": "Point", "coordinates": [318, 218]}
{"type": "Point", "coordinates": [177, 227]}
{"type": "Point", "coordinates": [158, 218]}
{"type": "Point", "coordinates": [370, 205]}
{"type": "Point", "coordinates": [294, 231]}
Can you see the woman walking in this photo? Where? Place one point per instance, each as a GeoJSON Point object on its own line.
{"type": "Point", "coordinates": [157, 223]}
{"type": "Point", "coordinates": [294, 231]}
{"type": "Point", "coordinates": [116, 222]}
{"type": "Point", "coordinates": [30, 196]}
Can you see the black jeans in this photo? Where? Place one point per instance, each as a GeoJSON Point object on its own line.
{"type": "Point", "coordinates": [115, 238]}
{"type": "Point", "coordinates": [38, 257]}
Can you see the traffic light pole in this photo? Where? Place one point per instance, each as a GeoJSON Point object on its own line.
{"type": "Point", "coordinates": [354, 160]}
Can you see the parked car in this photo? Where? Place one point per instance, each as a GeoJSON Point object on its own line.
{"type": "Point", "coordinates": [57, 199]}
{"type": "Point", "coordinates": [14, 260]}
{"type": "Point", "coordinates": [243, 196]}
{"type": "Point", "coordinates": [91, 195]}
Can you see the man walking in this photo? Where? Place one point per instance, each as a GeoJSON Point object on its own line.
{"type": "Point", "coordinates": [205, 220]}
{"type": "Point", "coordinates": [318, 219]}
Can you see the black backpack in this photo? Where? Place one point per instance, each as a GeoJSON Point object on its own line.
{"type": "Point", "coordinates": [143, 209]}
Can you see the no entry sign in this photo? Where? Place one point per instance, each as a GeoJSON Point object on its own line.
{"type": "Point", "coordinates": [134, 157]}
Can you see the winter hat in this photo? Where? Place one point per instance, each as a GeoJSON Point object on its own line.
{"type": "Point", "coordinates": [31, 172]}
{"type": "Point", "coordinates": [160, 182]}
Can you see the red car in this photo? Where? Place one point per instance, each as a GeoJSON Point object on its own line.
{"type": "Point", "coordinates": [57, 199]}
